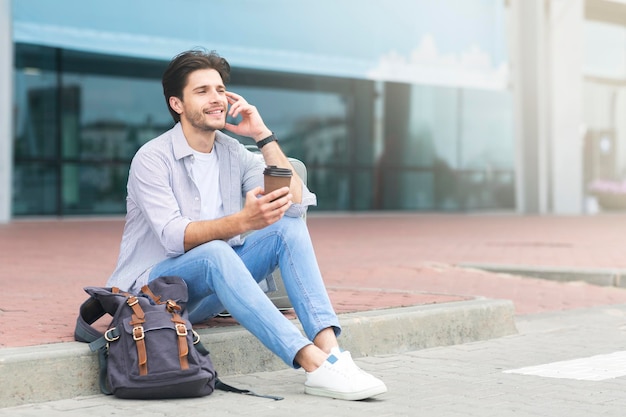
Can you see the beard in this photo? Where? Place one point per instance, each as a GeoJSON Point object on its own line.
{"type": "Point", "coordinates": [198, 120]}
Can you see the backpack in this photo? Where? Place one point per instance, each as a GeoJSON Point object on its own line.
{"type": "Point", "coordinates": [150, 350]}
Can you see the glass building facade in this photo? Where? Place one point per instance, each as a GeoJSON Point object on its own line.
{"type": "Point", "coordinates": [394, 111]}
{"type": "Point", "coordinates": [382, 121]}
{"type": "Point", "coordinates": [368, 145]}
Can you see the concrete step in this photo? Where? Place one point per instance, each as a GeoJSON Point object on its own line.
{"type": "Point", "coordinates": [66, 370]}
{"type": "Point", "coordinates": [606, 277]}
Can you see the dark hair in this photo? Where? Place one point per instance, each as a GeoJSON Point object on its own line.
{"type": "Point", "coordinates": [177, 72]}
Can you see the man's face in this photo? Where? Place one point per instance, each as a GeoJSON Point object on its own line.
{"type": "Point", "coordinates": [204, 104]}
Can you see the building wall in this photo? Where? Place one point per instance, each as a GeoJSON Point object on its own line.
{"type": "Point", "coordinates": [6, 100]}
{"type": "Point", "coordinates": [80, 117]}
{"type": "Point", "coordinates": [88, 95]}
{"type": "Point", "coordinates": [401, 114]}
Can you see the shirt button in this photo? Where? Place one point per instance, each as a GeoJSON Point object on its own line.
{"type": "Point", "coordinates": [197, 198]}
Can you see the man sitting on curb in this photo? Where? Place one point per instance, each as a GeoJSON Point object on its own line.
{"type": "Point", "coordinates": [185, 218]}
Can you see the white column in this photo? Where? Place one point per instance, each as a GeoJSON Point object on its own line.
{"type": "Point", "coordinates": [527, 46]}
{"type": "Point", "coordinates": [545, 38]}
{"type": "Point", "coordinates": [6, 110]}
{"type": "Point", "coordinates": [566, 115]}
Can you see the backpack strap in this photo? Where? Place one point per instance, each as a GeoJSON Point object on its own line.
{"type": "Point", "coordinates": [218, 382]}
{"type": "Point", "coordinates": [90, 311]}
{"type": "Point", "coordinates": [156, 298]}
{"type": "Point", "coordinates": [181, 332]}
{"type": "Point", "coordinates": [229, 388]}
{"type": "Point", "coordinates": [137, 319]}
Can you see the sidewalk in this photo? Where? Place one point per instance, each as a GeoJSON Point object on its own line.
{"type": "Point", "coordinates": [403, 277]}
{"type": "Point", "coordinates": [369, 262]}
{"type": "Point", "coordinates": [480, 379]}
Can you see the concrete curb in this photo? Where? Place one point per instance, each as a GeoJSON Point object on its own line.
{"type": "Point", "coordinates": [66, 370]}
{"type": "Point", "coordinates": [608, 277]}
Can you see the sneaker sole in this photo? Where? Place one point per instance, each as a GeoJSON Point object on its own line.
{"type": "Point", "coordinates": [349, 396]}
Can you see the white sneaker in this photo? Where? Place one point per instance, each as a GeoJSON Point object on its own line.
{"type": "Point", "coordinates": [339, 377]}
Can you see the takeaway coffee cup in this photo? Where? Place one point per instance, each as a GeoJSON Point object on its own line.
{"type": "Point", "coordinates": [276, 178]}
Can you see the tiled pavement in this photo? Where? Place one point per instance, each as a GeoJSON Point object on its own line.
{"type": "Point", "coordinates": [369, 261]}
{"type": "Point", "coordinates": [464, 380]}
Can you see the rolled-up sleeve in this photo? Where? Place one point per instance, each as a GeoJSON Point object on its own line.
{"type": "Point", "coordinates": [150, 186]}
{"type": "Point", "coordinates": [252, 166]}
{"type": "Point", "coordinates": [300, 209]}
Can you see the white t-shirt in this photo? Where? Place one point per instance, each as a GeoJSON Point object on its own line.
{"type": "Point", "coordinates": [206, 174]}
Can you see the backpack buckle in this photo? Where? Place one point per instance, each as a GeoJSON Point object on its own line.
{"type": "Point", "coordinates": [138, 333]}
{"type": "Point", "coordinates": [110, 336]}
{"type": "Point", "coordinates": [181, 329]}
{"type": "Point", "coordinates": [171, 306]}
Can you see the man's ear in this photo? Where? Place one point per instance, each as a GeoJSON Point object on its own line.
{"type": "Point", "coordinates": [176, 104]}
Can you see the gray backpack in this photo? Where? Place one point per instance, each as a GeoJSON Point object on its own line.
{"type": "Point", "coordinates": [150, 349]}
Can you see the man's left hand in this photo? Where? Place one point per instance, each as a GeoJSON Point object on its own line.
{"type": "Point", "coordinates": [252, 124]}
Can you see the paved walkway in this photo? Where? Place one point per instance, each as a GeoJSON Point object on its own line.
{"type": "Point", "coordinates": [486, 378]}
{"type": "Point", "coordinates": [369, 261]}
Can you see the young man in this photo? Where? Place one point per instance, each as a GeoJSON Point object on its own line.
{"type": "Point", "coordinates": [194, 191]}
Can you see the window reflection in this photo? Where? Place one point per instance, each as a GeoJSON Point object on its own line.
{"type": "Point", "coordinates": [36, 120]}
{"type": "Point", "coordinates": [35, 188]}
{"type": "Point", "coordinates": [116, 115]}
{"type": "Point", "coordinates": [604, 152]}
{"type": "Point", "coordinates": [311, 126]}
{"type": "Point", "coordinates": [94, 188]}
{"type": "Point", "coordinates": [80, 118]}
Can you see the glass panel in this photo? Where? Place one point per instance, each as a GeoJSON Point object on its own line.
{"type": "Point", "coordinates": [433, 127]}
{"type": "Point", "coordinates": [483, 190]}
{"type": "Point", "coordinates": [107, 115]}
{"type": "Point", "coordinates": [312, 126]}
{"type": "Point", "coordinates": [111, 117]}
{"type": "Point", "coordinates": [94, 188]}
{"type": "Point", "coordinates": [446, 149]}
{"type": "Point", "coordinates": [487, 141]}
{"type": "Point", "coordinates": [36, 103]}
{"type": "Point", "coordinates": [416, 191]}
{"type": "Point", "coordinates": [503, 186]}
{"type": "Point", "coordinates": [331, 187]}
{"type": "Point", "coordinates": [34, 188]}
{"type": "Point", "coordinates": [604, 152]}
{"type": "Point", "coordinates": [604, 48]}
{"type": "Point", "coordinates": [362, 190]}
{"type": "Point", "coordinates": [447, 192]}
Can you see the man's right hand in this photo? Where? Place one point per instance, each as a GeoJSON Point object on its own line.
{"type": "Point", "coordinates": [267, 209]}
{"type": "Point", "coordinates": [257, 213]}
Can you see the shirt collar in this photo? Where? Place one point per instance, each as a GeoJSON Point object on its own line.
{"type": "Point", "coordinates": [179, 143]}
{"type": "Point", "coordinates": [182, 148]}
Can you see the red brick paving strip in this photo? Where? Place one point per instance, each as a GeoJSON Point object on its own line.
{"type": "Point", "coordinates": [369, 261]}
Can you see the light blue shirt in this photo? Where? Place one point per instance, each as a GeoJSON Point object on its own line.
{"type": "Point", "coordinates": [163, 199]}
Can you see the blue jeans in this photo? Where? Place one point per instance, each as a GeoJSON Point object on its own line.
{"type": "Point", "coordinates": [220, 277]}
